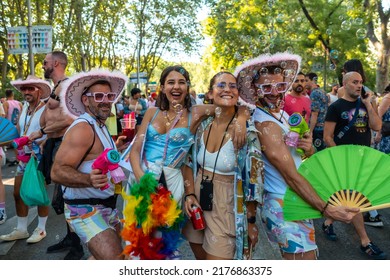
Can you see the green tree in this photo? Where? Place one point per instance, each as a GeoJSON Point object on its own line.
{"type": "Point", "coordinates": [157, 27]}
{"type": "Point", "coordinates": [104, 33]}
{"type": "Point", "coordinates": [324, 32]}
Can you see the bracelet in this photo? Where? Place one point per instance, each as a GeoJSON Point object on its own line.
{"type": "Point", "coordinates": [42, 131]}
{"type": "Point", "coordinates": [323, 209]}
{"type": "Point", "coordinates": [190, 194]}
{"type": "Point", "coordinates": [251, 220]}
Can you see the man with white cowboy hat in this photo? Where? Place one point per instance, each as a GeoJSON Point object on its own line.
{"type": "Point", "coordinates": [262, 82]}
{"type": "Point", "coordinates": [88, 97]}
{"type": "Point", "coordinates": [33, 89]}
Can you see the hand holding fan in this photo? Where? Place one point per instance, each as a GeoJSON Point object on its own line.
{"type": "Point", "coordinates": [348, 175]}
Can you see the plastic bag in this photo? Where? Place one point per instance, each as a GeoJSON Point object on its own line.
{"type": "Point", "coordinates": [32, 190]}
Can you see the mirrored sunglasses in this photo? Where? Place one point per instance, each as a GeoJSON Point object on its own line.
{"type": "Point", "coordinates": [267, 88]}
{"type": "Point", "coordinates": [99, 96]}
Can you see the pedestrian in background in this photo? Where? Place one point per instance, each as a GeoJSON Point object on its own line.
{"type": "Point", "coordinates": [33, 90]}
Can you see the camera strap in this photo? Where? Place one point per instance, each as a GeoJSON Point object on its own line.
{"type": "Point", "coordinates": [220, 146]}
{"type": "Point", "coordinates": [352, 122]}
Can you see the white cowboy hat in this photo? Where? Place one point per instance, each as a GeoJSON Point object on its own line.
{"type": "Point", "coordinates": [31, 80]}
{"type": "Point", "coordinates": [287, 64]}
{"type": "Point", "coordinates": [73, 88]}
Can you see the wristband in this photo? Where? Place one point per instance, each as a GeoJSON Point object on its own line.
{"type": "Point", "coordinates": [251, 220]}
{"type": "Point", "coordinates": [42, 131]}
{"type": "Point", "coordinates": [323, 209]}
{"type": "Point", "coordinates": [190, 194]}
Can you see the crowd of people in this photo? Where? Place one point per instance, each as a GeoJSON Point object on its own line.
{"type": "Point", "coordinates": [229, 158]}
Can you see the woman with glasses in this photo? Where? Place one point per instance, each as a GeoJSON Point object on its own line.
{"type": "Point", "coordinates": [167, 134]}
{"type": "Point", "coordinates": [263, 81]}
{"type": "Point", "coordinates": [230, 219]}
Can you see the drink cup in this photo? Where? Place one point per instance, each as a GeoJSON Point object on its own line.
{"type": "Point", "coordinates": [128, 128]}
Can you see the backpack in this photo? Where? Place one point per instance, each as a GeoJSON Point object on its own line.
{"type": "Point", "coordinates": [15, 116]}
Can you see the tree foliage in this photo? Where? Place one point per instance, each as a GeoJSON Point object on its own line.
{"type": "Point", "coordinates": [103, 33]}
{"type": "Point", "coordinates": [325, 33]}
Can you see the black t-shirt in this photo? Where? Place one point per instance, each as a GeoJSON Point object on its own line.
{"type": "Point", "coordinates": [341, 112]}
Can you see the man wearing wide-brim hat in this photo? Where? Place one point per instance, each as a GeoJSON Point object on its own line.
{"type": "Point", "coordinates": [33, 89]}
{"type": "Point", "coordinates": [262, 82]}
{"type": "Point", "coordinates": [89, 97]}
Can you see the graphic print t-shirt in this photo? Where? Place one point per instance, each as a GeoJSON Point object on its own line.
{"type": "Point", "coordinates": [341, 112]}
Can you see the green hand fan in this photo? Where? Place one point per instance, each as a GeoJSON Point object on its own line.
{"type": "Point", "coordinates": [347, 175]}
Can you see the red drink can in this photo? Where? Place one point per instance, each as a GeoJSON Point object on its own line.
{"type": "Point", "coordinates": [197, 218]}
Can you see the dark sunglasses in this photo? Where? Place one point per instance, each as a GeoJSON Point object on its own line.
{"type": "Point", "coordinates": [28, 88]}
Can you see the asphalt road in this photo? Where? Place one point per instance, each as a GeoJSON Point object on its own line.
{"type": "Point", "coordinates": [345, 248]}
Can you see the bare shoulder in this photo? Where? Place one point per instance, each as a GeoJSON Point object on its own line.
{"type": "Point", "coordinates": [386, 99]}
{"type": "Point", "coordinates": [150, 112]}
{"type": "Point", "coordinates": [79, 135]}
{"type": "Point", "coordinates": [75, 144]}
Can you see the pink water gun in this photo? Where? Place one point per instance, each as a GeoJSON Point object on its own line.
{"type": "Point", "coordinates": [108, 162]}
{"type": "Point", "coordinates": [19, 144]}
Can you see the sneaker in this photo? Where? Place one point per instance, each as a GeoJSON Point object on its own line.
{"type": "Point", "coordinates": [329, 232]}
{"type": "Point", "coordinates": [373, 252]}
{"type": "Point", "coordinates": [75, 253]}
{"type": "Point", "coordinates": [3, 217]}
{"type": "Point", "coordinates": [37, 236]}
{"type": "Point", "coordinates": [64, 244]}
{"type": "Point", "coordinates": [373, 221]}
{"type": "Point", "coordinates": [15, 235]}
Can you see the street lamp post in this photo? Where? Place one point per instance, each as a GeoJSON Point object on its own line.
{"type": "Point", "coordinates": [30, 51]}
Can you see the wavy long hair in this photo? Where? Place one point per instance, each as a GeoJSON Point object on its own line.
{"type": "Point", "coordinates": [162, 101]}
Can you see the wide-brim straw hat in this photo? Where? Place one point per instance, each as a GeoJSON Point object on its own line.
{"type": "Point", "coordinates": [285, 63]}
{"type": "Point", "coordinates": [32, 80]}
{"type": "Point", "coordinates": [73, 88]}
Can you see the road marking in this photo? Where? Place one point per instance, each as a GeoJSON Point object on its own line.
{"type": "Point", "coordinates": [9, 225]}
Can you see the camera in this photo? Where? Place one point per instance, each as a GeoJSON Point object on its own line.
{"type": "Point", "coordinates": [206, 195]}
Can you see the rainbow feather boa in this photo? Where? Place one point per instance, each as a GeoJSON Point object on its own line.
{"type": "Point", "coordinates": [152, 221]}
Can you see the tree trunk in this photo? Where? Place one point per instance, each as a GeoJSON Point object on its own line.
{"type": "Point", "coordinates": [382, 70]}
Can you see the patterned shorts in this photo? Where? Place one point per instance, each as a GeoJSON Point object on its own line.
{"type": "Point", "coordinates": [292, 237]}
{"type": "Point", "coordinates": [89, 220]}
{"type": "Point", "coordinates": [20, 168]}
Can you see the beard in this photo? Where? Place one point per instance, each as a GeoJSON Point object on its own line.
{"type": "Point", "coordinates": [99, 114]}
{"type": "Point", "coordinates": [299, 89]}
{"type": "Point", "coordinates": [48, 73]}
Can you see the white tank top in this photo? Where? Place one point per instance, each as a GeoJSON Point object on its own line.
{"type": "Point", "coordinates": [273, 180]}
{"type": "Point", "coordinates": [27, 127]}
{"type": "Point", "coordinates": [86, 166]}
{"type": "Point", "coordinates": [226, 159]}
